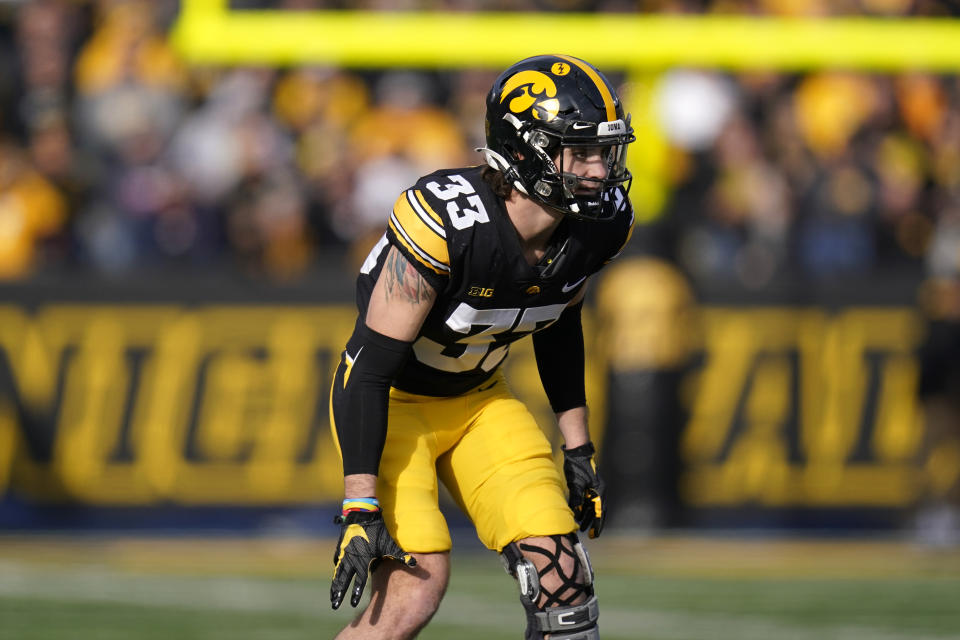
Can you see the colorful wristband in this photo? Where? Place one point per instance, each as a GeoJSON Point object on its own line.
{"type": "Point", "coordinates": [360, 504]}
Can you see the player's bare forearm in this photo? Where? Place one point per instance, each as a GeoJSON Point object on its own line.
{"type": "Point", "coordinates": [359, 485]}
{"type": "Point", "coordinates": [573, 426]}
{"type": "Point", "coordinates": [401, 299]}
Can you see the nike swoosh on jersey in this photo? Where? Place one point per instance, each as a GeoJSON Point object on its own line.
{"type": "Point", "coordinates": [570, 287]}
{"type": "Point", "coordinates": [352, 359]}
{"type": "Point", "coordinates": [349, 360]}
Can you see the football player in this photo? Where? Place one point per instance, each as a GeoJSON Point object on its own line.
{"type": "Point", "coordinates": [474, 259]}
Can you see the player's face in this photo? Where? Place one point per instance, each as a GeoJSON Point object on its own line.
{"type": "Point", "coordinates": [590, 164]}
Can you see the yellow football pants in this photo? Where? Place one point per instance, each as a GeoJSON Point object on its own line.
{"type": "Point", "coordinates": [488, 451]}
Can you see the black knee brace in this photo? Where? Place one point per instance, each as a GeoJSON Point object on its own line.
{"type": "Point", "coordinates": [553, 613]}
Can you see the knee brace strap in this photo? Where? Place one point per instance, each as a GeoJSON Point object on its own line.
{"type": "Point", "coordinates": [574, 620]}
{"type": "Point", "coordinates": [593, 633]}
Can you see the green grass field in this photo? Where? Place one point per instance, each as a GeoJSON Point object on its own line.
{"type": "Point", "coordinates": [680, 588]}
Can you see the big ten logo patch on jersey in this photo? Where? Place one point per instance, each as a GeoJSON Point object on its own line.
{"type": "Point", "coordinates": [480, 292]}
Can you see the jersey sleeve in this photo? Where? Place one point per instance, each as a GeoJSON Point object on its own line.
{"type": "Point", "coordinates": [418, 232]}
{"type": "Point", "coordinates": [623, 227]}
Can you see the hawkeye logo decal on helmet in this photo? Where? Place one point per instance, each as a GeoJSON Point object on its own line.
{"type": "Point", "coordinates": [538, 92]}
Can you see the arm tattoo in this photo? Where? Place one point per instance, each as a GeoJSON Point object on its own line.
{"type": "Point", "coordinates": [401, 279]}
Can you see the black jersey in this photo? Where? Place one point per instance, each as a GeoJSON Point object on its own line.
{"type": "Point", "coordinates": [456, 232]}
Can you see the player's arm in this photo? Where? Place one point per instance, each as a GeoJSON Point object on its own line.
{"type": "Point", "coordinates": [399, 304]}
{"type": "Point", "coordinates": [561, 362]}
{"type": "Point", "coordinates": [375, 354]}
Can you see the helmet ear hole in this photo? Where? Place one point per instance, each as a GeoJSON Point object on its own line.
{"type": "Point", "coordinates": [510, 152]}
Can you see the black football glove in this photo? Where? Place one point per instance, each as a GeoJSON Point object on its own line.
{"type": "Point", "coordinates": [364, 542]}
{"type": "Point", "coordinates": [587, 489]}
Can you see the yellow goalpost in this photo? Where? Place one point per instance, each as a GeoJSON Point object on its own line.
{"type": "Point", "coordinates": [209, 32]}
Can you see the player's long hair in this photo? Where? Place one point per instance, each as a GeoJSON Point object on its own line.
{"type": "Point", "coordinates": [497, 182]}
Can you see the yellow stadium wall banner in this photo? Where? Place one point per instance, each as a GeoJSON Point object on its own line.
{"type": "Point", "coordinates": [745, 411]}
{"type": "Point", "coordinates": [140, 405]}
{"type": "Point", "coordinates": [149, 405]}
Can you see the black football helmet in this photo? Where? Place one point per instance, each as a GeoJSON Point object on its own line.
{"type": "Point", "coordinates": [539, 106]}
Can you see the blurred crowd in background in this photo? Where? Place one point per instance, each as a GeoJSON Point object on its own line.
{"type": "Point", "coordinates": [825, 175]}
{"type": "Point", "coordinates": [116, 157]}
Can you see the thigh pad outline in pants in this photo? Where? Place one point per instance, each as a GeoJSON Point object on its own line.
{"type": "Point", "coordinates": [503, 474]}
{"type": "Point", "coordinates": [407, 485]}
